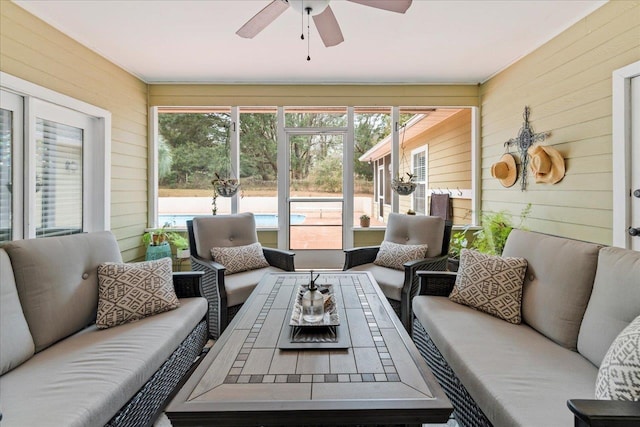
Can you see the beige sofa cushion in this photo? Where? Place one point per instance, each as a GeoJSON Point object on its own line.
{"type": "Point", "coordinates": [515, 374]}
{"type": "Point", "coordinates": [416, 230]}
{"type": "Point", "coordinates": [614, 303]}
{"type": "Point", "coordinates": [85, 379]}
{"type": "Point", "coordinates": [557, 284]}
{"type": "Point", "coordinates": [223, 231]}
{"type": "Point", "coordinates": [57, 281]}
{"type": "Point", "coordinates": [16, 343]}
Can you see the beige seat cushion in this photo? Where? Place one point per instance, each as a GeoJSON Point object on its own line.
{"type": "Point", "coordinates": [389, 280]}
{"type": "Point", "coordinates": [240, 285]}
{"type": "Point", "coordinates": [614, 303]}
{"type": "Point", "coordinates": [85, 379]}
{"type": "Point", "coordinates": [515, 374]}
{"type": "Point", "coordinates": [57, 281]}
{"type": "Point", "coordinates": [16, 343]}
{"type": "Point", "coordinates": [558, 282]}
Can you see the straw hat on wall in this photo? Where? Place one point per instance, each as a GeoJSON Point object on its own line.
{"type": "Point", "coordinates": [546, 164]}
{"type": "Point", "coordinates": [505, 170]}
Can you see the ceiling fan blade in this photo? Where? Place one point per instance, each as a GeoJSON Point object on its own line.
{"type": "Point", "coordinates": [399, 6]}
{"type": "Point", "coordinates": [262, 19]}
{"type": "Point", "coordinates": [328, 28]}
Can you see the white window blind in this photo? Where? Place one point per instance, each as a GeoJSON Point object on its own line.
{"type": "Point", "coordinates": [59, 178]}
{"type": "Point", "coordinates": [420, 174]}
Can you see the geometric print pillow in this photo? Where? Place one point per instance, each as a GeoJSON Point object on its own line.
{"type": "Point", "coordinates": [240, 258]}
{"type": "Point", "coordinates": [491, 284]}
{"type": "Point", "coordinates": [129, 292]}
{"type": "Point", "coordinates": [619, 374]}
{"type": "Point", "coordinates": [394, 255]}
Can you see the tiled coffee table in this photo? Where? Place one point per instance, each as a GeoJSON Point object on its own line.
{"type": "Point", "coordinates": [379, 378]}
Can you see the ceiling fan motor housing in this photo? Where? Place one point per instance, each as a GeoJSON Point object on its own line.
{"type": "Point", "coordinates": [316, 6]}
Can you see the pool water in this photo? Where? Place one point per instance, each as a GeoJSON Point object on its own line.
{"type": "Point", "coordinates": [262, 220]}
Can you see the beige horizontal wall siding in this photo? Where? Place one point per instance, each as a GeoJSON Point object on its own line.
{"type": "Point", "coordinates": [34, 51]}
{"type": "Point", "coordinates": [567, 85]}
{"type": "Point", "coordinates": [313, 95]}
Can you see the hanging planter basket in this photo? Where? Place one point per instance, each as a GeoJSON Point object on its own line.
{"type": "Point", "coordinates": [226, 187]}
{"type": "Point", "coordinates": [402, 187]}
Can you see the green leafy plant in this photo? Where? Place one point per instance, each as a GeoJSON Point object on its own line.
{"type": "Point", "coordinates": [496, 227]}
{"type": "Point", "coordinates": [459, 241]}
{"type": "Point", "coordinates": [156, 236]}
{"type": "Point", "coordinates": [364, 217]}
{"type": "Point", "coordinates": [178, 240]}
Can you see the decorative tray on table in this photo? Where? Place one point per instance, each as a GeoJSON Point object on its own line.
{"type": "Point", "coordinates": [330, 318]}
{"type": "Point", "coordinates": [298, 333]}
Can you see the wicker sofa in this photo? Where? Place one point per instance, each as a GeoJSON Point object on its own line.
{"type": "Point", "coordinates": [58, 369]}
{"type": "Point", "coordinates": [577, 297]}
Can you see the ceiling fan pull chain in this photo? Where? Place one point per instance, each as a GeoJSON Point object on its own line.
{"type": "Point", "coordinates": [308, 33]}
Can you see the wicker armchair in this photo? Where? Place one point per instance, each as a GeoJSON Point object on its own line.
{"type": "Point", "coordinates": [401, 286]}
{"type": "Point", "coordinates": [227, 292]}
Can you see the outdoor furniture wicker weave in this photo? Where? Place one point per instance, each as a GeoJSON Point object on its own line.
{"type": "Point", "coordinates": [227, 292]}
{"type": "Point", "coordinates": [400, 286]}
{"type": "Point", "coordinates": [60, 370]}
{"type": "Point", "coordinates": [577, 298]}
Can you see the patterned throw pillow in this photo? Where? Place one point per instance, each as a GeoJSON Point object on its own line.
{"type": "Point", "coordinates": [491, 284]}
{"type": "Point", "coordinates": [129, 292]}
{"type": "Point", "coordinates": [240, 258]}
{"type": "Point", "coordinates": [619, 374]}
{"type": "Point", "coordinates": [394, 255]}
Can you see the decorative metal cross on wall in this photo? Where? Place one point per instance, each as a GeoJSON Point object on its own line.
{"type": "Point", "coordinates": [526, 138]}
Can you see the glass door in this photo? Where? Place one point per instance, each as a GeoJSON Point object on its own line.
{"type": "Point", "coordinates": [316, 197]}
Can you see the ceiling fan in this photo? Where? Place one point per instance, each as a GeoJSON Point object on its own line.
{"type": "Point", "coordinates": [321, 12]}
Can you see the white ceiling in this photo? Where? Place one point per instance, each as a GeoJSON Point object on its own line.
{"type": "Point", "coordinates": [195, 41]}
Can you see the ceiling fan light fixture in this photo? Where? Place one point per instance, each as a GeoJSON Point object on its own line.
{"type": "Point", "coordinates": [316, 6]}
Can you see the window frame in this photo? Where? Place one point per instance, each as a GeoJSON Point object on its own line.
{"type": "Point", "coordinates": [96, 157]}
{"type": "Point", "coordinates": [415, 152]}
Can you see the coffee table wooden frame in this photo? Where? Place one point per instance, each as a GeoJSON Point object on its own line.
{"type": "Point", "coordinates": [246, 380]}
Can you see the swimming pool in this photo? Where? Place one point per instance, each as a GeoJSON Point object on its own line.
{"type": "Point", "coordinates": [262, 220]}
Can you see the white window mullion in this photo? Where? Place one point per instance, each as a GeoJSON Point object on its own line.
{"type": "Point", "coordinates": [13, 153]}
{"type": "Point", "coordinates": [29, 165]}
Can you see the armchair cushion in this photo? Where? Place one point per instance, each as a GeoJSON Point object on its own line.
{"type": "Point", "coordinates": [619, 374]}
{"type": "Point", "coordinates": [223, 231]}
{"type": "Point", "coordinates": [394, 255]}
{"type": "Point", "coordinates": [240, 258]}
{"type": "Point", "coordinates": [129, 292]}
{"type": "Point", "coordinates": [491, 284]}
{"type": "Point", "coordinates": [416, 230]}
{"type": "Point", "coordinates": [390, 281]}
{"type": "Point", "coordinates": [240, 285]}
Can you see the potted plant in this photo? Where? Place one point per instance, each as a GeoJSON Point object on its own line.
{"type": "Point", "coordinates": [411, 212]}
{"type": "Point", "coordinates": [365, 220]}
{"type": "Point", "coordinates": [181, 244]}
{"type": "Point", "coordinates": [404, 187]}
{"type": "Point", "coordinates": [155, 237]}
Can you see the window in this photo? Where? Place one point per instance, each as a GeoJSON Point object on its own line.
{"type": "Point", "coordinates": [419, 171]}
{"type": "Point", "coordinates": [46, 185]}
